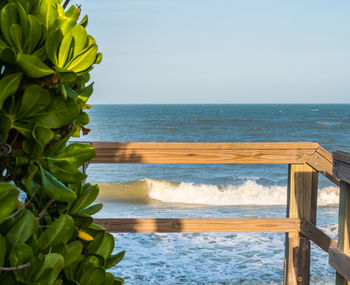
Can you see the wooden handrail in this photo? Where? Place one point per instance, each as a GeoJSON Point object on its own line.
{"type": "Point", "coordinates": [199, 225]}
{"type": "Point", "coordinates": [220, 153]}
{"type": "Point", "coordinates": [305, 160]}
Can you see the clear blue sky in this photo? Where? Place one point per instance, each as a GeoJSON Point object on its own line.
{"type": "Point", "coordinates": [221, 51]}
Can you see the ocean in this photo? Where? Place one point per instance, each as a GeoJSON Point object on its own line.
{"type": "Point", "coordinates": [211, 190]}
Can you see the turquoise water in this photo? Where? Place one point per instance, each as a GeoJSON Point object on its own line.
{"type": "Point", "coordinates": [230, 191]}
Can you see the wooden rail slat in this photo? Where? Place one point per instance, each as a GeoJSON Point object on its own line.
{"type": "Point", "coordinates": [341, 263]}
{"type": "Point", "coordinates": [322, 161]}
{"type": "Point", "coordinates": [199, 225]}
{"type": "Point", "coordinates": [341, 165]}
{"type": "Point", "coordinates": [168, 152]}
{"type": "Point", "coordinates": [317, 236]}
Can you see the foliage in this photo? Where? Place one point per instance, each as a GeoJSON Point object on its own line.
{"type": "Point", "coordinates": [45, 59]}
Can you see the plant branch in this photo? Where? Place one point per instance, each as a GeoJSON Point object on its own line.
{"type": "Point", "coordinates": [19, 267]}
{"type": "Point", "coordinates": [42, 212]}
{"type": "Point", "coordinates": [24, 206]}
{"type": "Point", "coordinates": [66, 3]}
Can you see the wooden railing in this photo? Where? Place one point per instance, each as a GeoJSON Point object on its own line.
{"type": "Point", "coordinates": [305, 161]}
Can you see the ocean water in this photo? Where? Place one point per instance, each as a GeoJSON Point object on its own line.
{"type": "Point", "coordinates": [211, 190]}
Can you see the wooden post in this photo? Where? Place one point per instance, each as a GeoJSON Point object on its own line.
{"type": "Point", "coordinates": [341, 169]}
{"type": "Point", "coordinates": [344, 226]}
{"type": "Point", "coordinates": [301, 203]}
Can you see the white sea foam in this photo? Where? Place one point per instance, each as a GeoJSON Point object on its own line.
{"type": "Point", "coordinates": [249, 193]}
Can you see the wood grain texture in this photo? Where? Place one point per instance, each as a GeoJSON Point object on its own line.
{"type": "Point", "coordinates": [343, 156]}
{"type": "Point", "coordinates": [322, 161]}
{"type": "Point", "coordinates": [317, 236]}
{"type": "Point", "coordinates": [341, 170]}
{"type": "Point", "coordinates": [199, 225]}
{"type": "Point", "coordinates": [344, 226]}
{"type": "Point", "coordinates": [341, 263]}
{"type": "Point", "coordinates": [301, 203]}
{"type": "Point", "coordinates": [168, 152]}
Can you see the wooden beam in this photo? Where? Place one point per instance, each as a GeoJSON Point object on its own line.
{"type": "Point", "coordinates": [344, 226]}
{"type": "Point", "coordinates": [301, 203]}
{"type": "Point", "coordinates": [199, 225]}
{"type": "Point", "coordinates": [317, 236]}
{"type": "Point", "coordinates": [341, 165]}
{"type": "Point", "coordinates": [168, 152]}
{"type": "Point", "coordinates": [341, 263]}
{"type": "Point", "coordinates": [322, 161]}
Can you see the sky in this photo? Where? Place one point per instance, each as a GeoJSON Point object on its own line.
{"type": "Point", "coordinates": [220, 51]}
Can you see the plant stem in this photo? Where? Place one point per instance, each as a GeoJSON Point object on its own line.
{"type": "Point", "coordinates": [19, 267]}
{"type": "Point", "coordinates": [42, 212]}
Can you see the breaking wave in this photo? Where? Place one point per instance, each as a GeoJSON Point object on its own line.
{"type": "Point", "coordinates": [250, 193]}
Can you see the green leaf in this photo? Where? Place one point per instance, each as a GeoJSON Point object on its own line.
{"type": "Point", "coordinates": [66, 173]}
{"type": "Point", "coordinates": [93, 209]}
{"type": "Point", "coordinates": [106, 247]}
{"type": "Point", "coordinates": [52, 45]}
{"type": "Point", "coordinates": [9, 55]}
{"type": "Point", "coordinates": [55, 189]}
{"type": "Point", "coordinates": [9, 85]}
{"type": "Point", "coordinates": [80, 39]}
{"type": "Point", "coordinates": [98, 58]}
{"type": "Point", "coordinates": [34, 35]}
{"type": "Point", "coordinates": [60, 114]}
{"type": "Point", "coordinates": [8, 17]}
{"type": "Point", "coordinates": [20, 254]}
{"type": "Point", "coordinates": [85, 60]}
{"type": "Point", "coordinates": [34, 100]}
{"type": "Point", "coordinates": [32, 66]}
{"type": "Point", "coordinates": [109, 279]}
{"type": "Point", "coordinates": [66, 45]}
{"type": "Point", "coordinates": [84, 21]}
{"type": "Point", "coordinates": [60, 231]}
{"type": "Point", "coordinates": [114, 259]}
{"type": "Point", "coordinates": [94, 276]}
{"type": "Point", "coordinates": [86, 265]}
{"type": "Point", "coordinates": [8, 200]}
{"type": "Point", "coordinates": [73, 12]}
{"type": "Point", "coordinates": [55, 262]}
{"type": "Point", "coordinates": [87, 197]}
{"type": "Point", "coordinates": [76, 154]}
{"type": "Point", "coordinates": [74, 250]}
{"type": "Point", "coordinates": [46, 11]}
{"type": "Point", "coordinates": [2, 250]}
{"type": "Point", "coordinates": [16, 35]}
{"type": "Point", "coordinates": [22, 230]}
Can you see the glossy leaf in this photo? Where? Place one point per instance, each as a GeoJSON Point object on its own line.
{"type": "Point", "coordinates": [22, 229]}
{"type": "Point", "coordinates": [114, 259]}
{"type": "Point", "coordinates": [8, 17]}
{"type": "Point", "coordinates": [34, 100]}
{"type": "Point", "coordinates": [93, 209]}
{"type": "Point", "coordinates": [60, 114]}
{"type": "Point", "coordinates": [33, 66]}
{"type": "Point", "coordinates": [87, 197]}
{"type": "Point", "coordinates": [8, 199]}
{"type": "Point", "coordinates": [60, 231]}
{"type": "Point", "coordinates": [54, 188]}
{"type": "Point", "coordinates": [106, 247]}
{"type": "Point", "coordinates": [94, 276]}
{"type": "Point", "coordinates": [76, 154]}
{"type": "Point", "coordinates": [9, 85]}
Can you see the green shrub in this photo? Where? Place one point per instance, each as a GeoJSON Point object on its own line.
{"type": "Point", "coordinates": [45, 59]}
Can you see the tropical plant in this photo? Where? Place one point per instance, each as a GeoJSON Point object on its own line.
{"type": "Point", "coordinates": [47, 234]}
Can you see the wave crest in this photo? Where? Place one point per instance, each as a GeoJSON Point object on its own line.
{"type": "Point", "coordinates": [250, 193]}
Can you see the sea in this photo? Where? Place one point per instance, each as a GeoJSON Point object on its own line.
{"type": "Point", "coordinates": [211, 190]}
